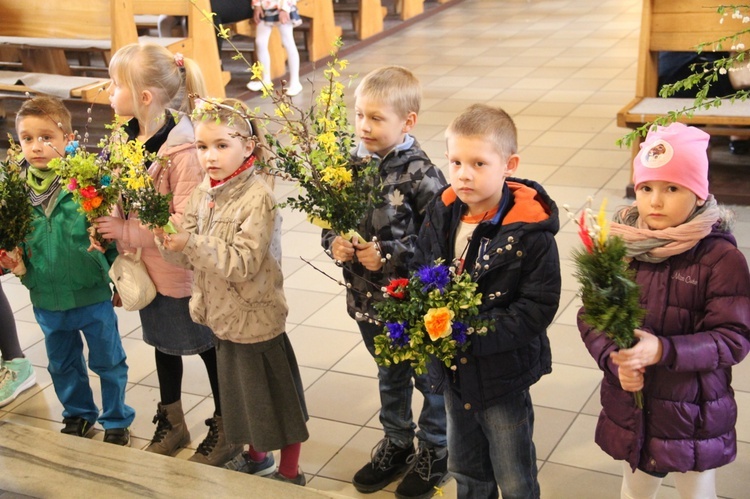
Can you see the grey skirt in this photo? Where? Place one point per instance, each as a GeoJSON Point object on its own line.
{"type": "Point", "coordinates": [167, 325]}
{"type": "Point", "coordinates": [262, 399]}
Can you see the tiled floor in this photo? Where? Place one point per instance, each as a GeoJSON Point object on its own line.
{"type": "Point", "coordinates": [562, 68]}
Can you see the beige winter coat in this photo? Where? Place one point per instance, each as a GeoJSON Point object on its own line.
{"type": "Point", "coordinates": [235, 253]}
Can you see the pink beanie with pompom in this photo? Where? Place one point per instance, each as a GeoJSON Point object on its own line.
{"type": "Point", "coordinates": [677, 154]}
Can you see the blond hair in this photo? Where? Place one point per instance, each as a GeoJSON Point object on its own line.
{"type": "Point", "coordinates": [47, 107]}
{"type": "Point", "coordinates": [491, 123]}
{"type": "Point", "coordinates": [395, 86]}
{"type": "Point", "coordinates": [171, 78]}
{"type": "Point", "coordinates": [236, 114]}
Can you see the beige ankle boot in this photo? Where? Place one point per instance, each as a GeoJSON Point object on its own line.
{"type": "Point", "coordinates": [171, 431]}
{"type": "Point", "coordinates": [215, 450]}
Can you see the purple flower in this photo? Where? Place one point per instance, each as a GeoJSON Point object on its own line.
{"type": "Point", "coordinates": [397, 333]}
{"type": "Point", "coordinates": [459, 332]}
{"type": "Point", "coordinates": [436, 277]}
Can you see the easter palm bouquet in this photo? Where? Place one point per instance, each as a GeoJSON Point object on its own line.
{"type": "Point", "coordinates": [608, 289]}
{"type": "Point", "coordinates": [433, 313]}
{"type": "Point", "coordinates": [15, 208]}
{"type": "Point", "coordinates": [313, 147]}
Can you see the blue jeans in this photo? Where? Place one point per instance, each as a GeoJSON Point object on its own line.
{"type": "Point", "coordinates": [67, 366]}
{"type": "Point", "coordinates": [397, 384]}
{"type": "Point", "coordinates": [492, 448]}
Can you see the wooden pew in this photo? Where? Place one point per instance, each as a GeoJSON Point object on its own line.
{"type": "Point", "coordinates": [200, 44]}
{"type": "Point", "coordinates": [367, 16]}
{"type": "Point", "coordinates": [667, 25]}
{"type": "Point", "coordinates": [40, 35]}
{"type": "Point", "coordinates": [407, 9]}
{"type": "Point", "coordinates": [323, 29]}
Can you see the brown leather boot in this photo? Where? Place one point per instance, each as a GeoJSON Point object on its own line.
{"type": "Point", "coordinates": [171, 431]}
{"type": "Point", "coordinates": [215, 450]}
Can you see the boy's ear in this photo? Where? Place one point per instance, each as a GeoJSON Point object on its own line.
{"type": "Point", "coordinates": [411, 121]}
{"type": "Point", "coordinates": [512, 165]}
{"type": "Point", "coordinates": [70, 137]}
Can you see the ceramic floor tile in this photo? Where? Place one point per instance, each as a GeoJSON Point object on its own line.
{"type": "Point", "coordinates": [577, 448]}
{"type": "Point", "coordinates": [321, 348]}
{"type": "Point", "coordinates": [575, 176]}
{"type": "Point", "coordinates": [311, 279]}
{"type": "Point", "coordinates": [302, 304]}
{"type": "Point", "coordinates": [326, 439]}
{"type": "Point", "coordinates": [549, 427]}
{"type": "Point", "coordinates": [359, 362]}
{"type": "Point", "coordinates": [568, 348]}
{"type": "Point", "coordinates": [567, 387]}
{"type": "Point", "coordinates": [343, 397]}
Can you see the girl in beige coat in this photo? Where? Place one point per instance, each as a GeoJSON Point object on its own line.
{"type": "Point", "coordinates": [231, 238]}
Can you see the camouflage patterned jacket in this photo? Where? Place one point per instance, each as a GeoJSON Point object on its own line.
{"type": "Point", "coordinates": [410, 181]}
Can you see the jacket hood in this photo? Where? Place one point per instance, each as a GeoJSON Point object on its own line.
{"type": "Point", "coordinates": [531, 204]}
{"type": "Point", "coordinates": [181, 137]}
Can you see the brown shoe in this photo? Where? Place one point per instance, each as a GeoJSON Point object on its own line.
{"type": "Point", "coordinates": [215, 450]}
{"type": "Point", "coordinates": [171, 431]}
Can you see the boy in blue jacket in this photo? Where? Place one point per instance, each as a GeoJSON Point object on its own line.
{"type": "Point", "coordinates": [501, 230]}
{"type": "Point", "coordinates": [69, 286]}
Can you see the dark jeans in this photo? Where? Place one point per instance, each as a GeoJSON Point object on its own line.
{"type": "Point", "coordinates": [492, 448]}
{"type": "Point", "coordinates": [397, 384]}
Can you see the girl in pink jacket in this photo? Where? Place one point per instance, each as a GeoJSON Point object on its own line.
{"type": "Point", "coordinates": [151, 84]}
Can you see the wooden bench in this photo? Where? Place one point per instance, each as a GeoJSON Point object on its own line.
{"type": "Point", "coordinates": [40, 36]}
{"type": "Point", "coordinates": [367, 15]}
{"type": "Point", "coordinates": [200, 44]}
{"type": "Point", "coordinates": [406, 9]}
{"type": "Point", "coordinates": [323, 30]}
{"type": "Point", "coordinates": [668, 25]}
{"type": "Point", "coordinates": [43, 463]}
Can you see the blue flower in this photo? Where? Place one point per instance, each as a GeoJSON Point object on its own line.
{"type": "Point", "coordinates": [397, 333]}
{"type": "Point", "coordinates": [71, 148]}
{"type": "Point", "coordinates": [459, 332]}
{"type": "Point", "coordinates": [437, 277]}
{"type": "Point", "coordinates": [106, 180]}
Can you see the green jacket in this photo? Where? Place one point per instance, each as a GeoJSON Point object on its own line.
{"type": "Point", "coordinates": [60, 273]}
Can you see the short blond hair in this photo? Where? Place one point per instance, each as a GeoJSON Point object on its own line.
{"type": "Point", "coordinates": [395, 86]}
{"type": "Point", "coordinates": [491, 123]}
{"type": "Point", "coordinates": [47, 107]}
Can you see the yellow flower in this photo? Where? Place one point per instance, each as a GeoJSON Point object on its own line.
{"type": "Point", "coordinates": [282, 109]}
{"type": "Point", "coordinates": [601, 220]}
{"type": "Point", "coordinates": [257, 71]}
{"type": "Point", "coordinates": [438, 322]}
{"type": "Point", "coordinates": [337, 176]}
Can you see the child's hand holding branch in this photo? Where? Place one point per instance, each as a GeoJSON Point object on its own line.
{"type": "Point", "coordinates": [173, 242]}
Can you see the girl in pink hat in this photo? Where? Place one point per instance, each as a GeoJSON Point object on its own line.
{"type": "Point", "coordinates": [695, 288]}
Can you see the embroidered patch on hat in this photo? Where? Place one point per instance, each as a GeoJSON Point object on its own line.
{"type": "Point", "coordinates": [658, 154]}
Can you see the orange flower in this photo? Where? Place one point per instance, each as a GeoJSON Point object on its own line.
{"type": "Point", "coordinates": [438, 322]}
{"type": "Point", "coordinates": [96, 202]}
{"type": "Point", "coordinates": [86, 205]}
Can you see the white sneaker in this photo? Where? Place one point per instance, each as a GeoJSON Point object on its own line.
{"type": "Point", "coordinates": [16, 376]}
{"type": "Point", "coordinates": [257, 86]}
{"type": "Point", "coordinates": [294, 89]}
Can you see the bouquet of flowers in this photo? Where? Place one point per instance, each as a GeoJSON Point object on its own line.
{"type": "Point", "coordinates": [140, 194]}
{"type": "Point", "coordinates": [608, 290]}
{"type": "Point", "coordinates": [313, 147]}
{"type": "Point", "coordinates": [15, 208]}
{"type": "Point", "coordinates": [432, 313]}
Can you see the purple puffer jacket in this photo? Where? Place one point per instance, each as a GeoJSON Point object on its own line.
{"type": "Point", "coordinates": [698, 303]}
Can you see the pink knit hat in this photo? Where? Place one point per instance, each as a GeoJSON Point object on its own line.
{"type": "Point", "coordinates": [675, 153]}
